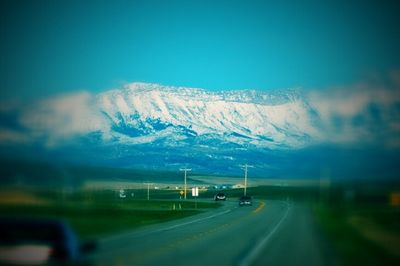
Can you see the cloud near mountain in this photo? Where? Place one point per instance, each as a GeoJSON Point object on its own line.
{"type": "Point", "coordinates": [347, 132]}
{"type": "Point", "coordinates": [142, 113]}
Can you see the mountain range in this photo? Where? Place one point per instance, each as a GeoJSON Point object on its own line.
{"type": "Point", "coordinates": [290, 132]}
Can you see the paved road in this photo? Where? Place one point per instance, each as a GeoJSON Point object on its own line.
{"type": "Point", "coordinates": [268, 233]}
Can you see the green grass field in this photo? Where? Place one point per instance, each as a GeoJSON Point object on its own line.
{"type": "Point", "coordinates": [98, 213]}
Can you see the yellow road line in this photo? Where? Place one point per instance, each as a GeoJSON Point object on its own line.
{"type": "Point", "coordinates": [259, 208]}
{"type": "Point", "coordinates": [197, 236]}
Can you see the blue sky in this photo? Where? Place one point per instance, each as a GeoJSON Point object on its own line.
{"type": "Point", "coordinates": [48, 47]}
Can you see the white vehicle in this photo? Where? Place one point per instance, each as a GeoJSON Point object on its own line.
{"type": "Point", "coordinates": [219, 196]}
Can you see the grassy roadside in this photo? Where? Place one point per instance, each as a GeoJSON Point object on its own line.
{"type": "Point", "coordinates": [92, 222]}
{"type": "Point", "coordinates": [97, 214]}
{"type": "Point", "coordinates": [350, 238]}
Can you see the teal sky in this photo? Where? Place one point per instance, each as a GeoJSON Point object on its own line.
{"type": "Point", "coordinates": [48, 47]}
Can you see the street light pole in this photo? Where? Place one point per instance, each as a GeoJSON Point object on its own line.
{"type": "Point", "coordinates": [148, 190]}
{"type": "Point", "coordinates": [245, 168]}
{"type": "Point", "coordinates": [245, 180]}
{"type": "Point", "coordinates": [185, 188]}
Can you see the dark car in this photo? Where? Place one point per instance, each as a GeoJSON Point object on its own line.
{"type": "Point", "coordinates": [219, 196]}
{"type": "Point", "coordinates": [39, 242]}
{"type": "Point", "coordinates": [245, 200]}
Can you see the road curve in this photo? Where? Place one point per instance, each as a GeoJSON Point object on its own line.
{"type": "Point", "coordinates": [267, 233]}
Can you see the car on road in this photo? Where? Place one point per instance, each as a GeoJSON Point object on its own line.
{"type": "Point", "coordinates": [220, 196]}
{"type": "Point", "coordinates": [245, 201]}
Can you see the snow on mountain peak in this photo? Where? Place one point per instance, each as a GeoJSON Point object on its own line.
{"type": "Point", "coordinates": [141, 113]}
{"type": "Point", "coordinates": [246, 116]}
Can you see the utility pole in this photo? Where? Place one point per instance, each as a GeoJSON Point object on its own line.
{"type": "Point", "coordinates": [185, 170]}
{"type": "Point", "coordinates": [148, 190]}
{"type": "Point", "coordinates": [245, 168]}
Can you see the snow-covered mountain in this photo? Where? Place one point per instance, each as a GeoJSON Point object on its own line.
{"type": "Point", "coordinates": [140, 113]}
{"type": "Point", "coordinates": [144, 113]}
{"type": "Point", "coordinates": [151, 125]}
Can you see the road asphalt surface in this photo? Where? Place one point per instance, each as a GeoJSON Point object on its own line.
{"type": "Point", "coordinates": [267, 233]}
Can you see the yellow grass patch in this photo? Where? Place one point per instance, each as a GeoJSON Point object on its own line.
{"type": "Point", "coordinates": [19, 198]}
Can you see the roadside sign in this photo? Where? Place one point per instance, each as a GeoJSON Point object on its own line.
{"type": "Point", "coordinates": [195, 192]}
{"type": "Point", "coordinates": [181, 192]}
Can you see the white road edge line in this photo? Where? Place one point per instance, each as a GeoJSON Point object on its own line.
{"type": "Point", "coordinates": [191, 222]}
{"type": "Point", "coordinates": [255, 252]}
{"type": "Point", "coordinates": [168, 228]}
